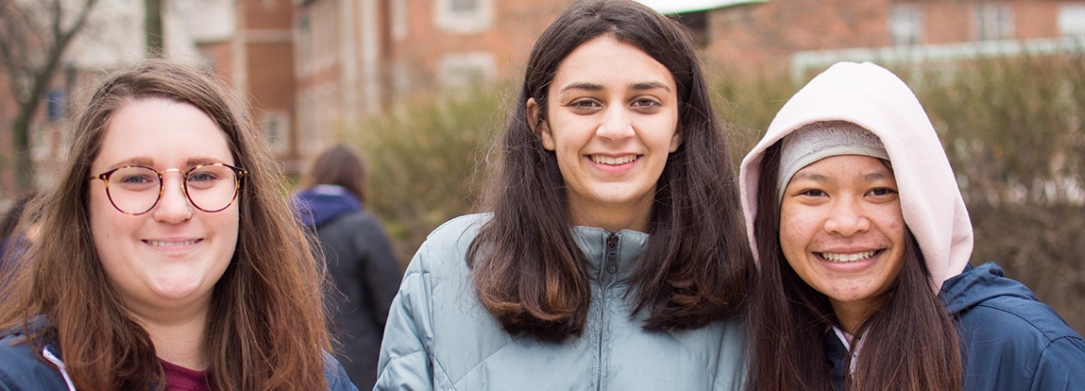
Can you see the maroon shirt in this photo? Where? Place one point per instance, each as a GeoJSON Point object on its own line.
{"type": "Point", "coordinates": [179, 378]}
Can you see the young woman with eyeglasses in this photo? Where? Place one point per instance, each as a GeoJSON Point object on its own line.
{"type": "Point", "coordinates": [168, 258]}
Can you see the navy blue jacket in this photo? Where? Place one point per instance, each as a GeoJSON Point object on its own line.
{"type": "Point", "coordinates": [21, 370]}
{"type": "Point", "coordinates": [1010, 340]}
{"type": "Point", "coordinates": [365, 271]}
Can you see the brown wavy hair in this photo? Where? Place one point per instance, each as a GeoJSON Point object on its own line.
{"type": "Point", "coordinates": [339, 165]}
{"type": "Point", "coordinates": [911, 343]}
{"type": "Point", "coordinates": [528, 271]}
{"type": "Point", "coordinates": [266, 325]}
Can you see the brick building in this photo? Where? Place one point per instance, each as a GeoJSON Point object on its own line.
{"type": "Point", "coordinates": [356, 56]}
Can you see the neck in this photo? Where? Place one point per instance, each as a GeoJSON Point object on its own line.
{"type": "Point", "coordinates": [851, 315]}
{"type": "Point", "coordinates": [632, 216]}
{"type": "Point", "coordinates": [177, 334]}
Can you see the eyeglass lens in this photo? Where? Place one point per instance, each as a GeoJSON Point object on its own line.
{"type": "Point", "coordinates": [135, 190]}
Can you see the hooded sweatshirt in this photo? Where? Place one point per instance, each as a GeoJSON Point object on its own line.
{"type": "Point", "coordinates": [365, 271]}
{"type": "Point", "coordinates": [1010, 341]}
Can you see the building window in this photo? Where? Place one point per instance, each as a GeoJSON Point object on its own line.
{"type": "Point", "coordinates": [399, 20]}
{"type": "Point", "coordinates": [1072, 20]}
{"type": "Point", "coordinates": [464, 6]}
{"type": "Point", "coordinates": [466, 70]}
{"type": "Point", "coordinates": [992, 22]}
{"type": "Point", "coordinates": [906, 25]}
{"type": "Point", "coordinates": [276, 127]}
{"type": "Point", "coordinates": [464, 16]}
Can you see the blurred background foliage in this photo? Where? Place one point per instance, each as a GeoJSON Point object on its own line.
{"type": "Point", "coordinates": [1012, 127]}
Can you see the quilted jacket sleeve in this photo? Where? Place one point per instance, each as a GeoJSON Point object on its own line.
{"type": "Point", "coordinates": [1061, 366]}
{"type": "Point", "coordinates": [404, 358]}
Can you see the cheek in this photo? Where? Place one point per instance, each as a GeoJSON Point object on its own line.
{"type": "Point", "coordinates": [796, 230]}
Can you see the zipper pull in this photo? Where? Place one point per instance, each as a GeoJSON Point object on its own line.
{"type": "Point", "coordinates": [612, 253]}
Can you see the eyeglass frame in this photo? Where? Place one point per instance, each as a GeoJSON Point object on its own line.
{"type": "Point", "coordinates": [238, 174]}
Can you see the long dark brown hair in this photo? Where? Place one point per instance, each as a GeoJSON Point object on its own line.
{"type": "Point", "coordinates": [910, 342]}
{"type": "Point", "coordinates": [339, 165]}
{"type": "Point", "coordinates": [266, 325]}
{"type": "Point", "coordinates": [529, 272]}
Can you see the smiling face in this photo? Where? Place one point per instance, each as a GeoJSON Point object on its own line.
{"type": "Point", "coordinates": [842, 231]}
{"type": "Point", "coordinates": [170, 257]}
{"type": "Point", "coordinates": [612, 115]}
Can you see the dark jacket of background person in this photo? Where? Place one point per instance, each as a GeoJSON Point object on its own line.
{"type": "Point", "coordinates": [364, 268]}
{"type": "Point", "coordinates": [13, 242]}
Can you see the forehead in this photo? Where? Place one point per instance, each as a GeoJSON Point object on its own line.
{"type": "Point", "coordinates": [846, 167]}
{"type": "Point", "coordinates": [155, 131]}
{"type": "Point", "coordinates": [606, 60]}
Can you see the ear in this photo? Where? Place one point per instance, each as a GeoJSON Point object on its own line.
{"type": "Point", "coordinates": [538, 125]}
{"type": "Point", "coordinates": [677, 138]}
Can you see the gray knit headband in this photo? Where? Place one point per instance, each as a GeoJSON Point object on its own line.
{"type": "Point", "coordinates": [820, 140]}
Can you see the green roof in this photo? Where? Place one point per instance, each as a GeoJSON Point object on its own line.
{"type": "Point", "coordinates": [684, 6]}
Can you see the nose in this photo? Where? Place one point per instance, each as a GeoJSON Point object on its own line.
{"type": "Point", "coordinates": [846, 218]}
{"type": "Point", "coordinates": [616, 125]}
{"type": "Point", "coordinates": [173, 206]}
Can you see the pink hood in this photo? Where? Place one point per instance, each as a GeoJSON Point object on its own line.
{"type": "Point", "coordinates": [874, 98]}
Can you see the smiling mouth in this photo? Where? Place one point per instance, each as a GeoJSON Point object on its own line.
{"type": "Point", "coordinates": [848, 258]}
{"type": "Point", "coordinates": [159, 243]}
{"type": "Point", "coordinates": [614, 161]}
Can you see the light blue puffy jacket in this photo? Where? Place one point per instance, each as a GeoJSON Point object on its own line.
{"type": "Point", "coordinates": [439, 337]}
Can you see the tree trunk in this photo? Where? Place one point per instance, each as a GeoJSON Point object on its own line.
{"type": "Point", "coordinates": [153, 28]}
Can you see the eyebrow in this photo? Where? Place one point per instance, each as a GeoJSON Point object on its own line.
{"type": "Point", "coordinates": [582, 86]}
{"type": "Point", "coordinates": [641, 86]}
{"type": "Point", "coordinates": [651, 85]}
{"type": "Point", "coordinates": [149, 162]}
{"type": "Point", "coordinates": [818, 177]}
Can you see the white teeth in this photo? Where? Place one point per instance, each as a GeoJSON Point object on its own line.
{"type": "Point", "coordinates": [613, 161]}
{"type": "Point", "coordinates": [845, 258]}
{"type": "Point", "coordinates": [170, 244]}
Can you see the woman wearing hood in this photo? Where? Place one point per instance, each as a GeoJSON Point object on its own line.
{"type": "Point", "coordinates": [863, 240]}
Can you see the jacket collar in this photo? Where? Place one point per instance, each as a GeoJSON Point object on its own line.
{"type": "Point", "coordinates": [593, 242]}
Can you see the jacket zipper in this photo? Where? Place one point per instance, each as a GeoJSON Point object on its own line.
{"type": "Point", "coordinates": [610, 270]}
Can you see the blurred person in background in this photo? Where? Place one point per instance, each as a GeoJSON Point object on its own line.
{"type": "Point", "coordinates": [614, 255]}
{"type": "Point", "coordinates": [14, 238]}
{"type": "Point", "coordinates": [358, 255]}
{"type": "Point", "coordinates": [172, 260]}
{"type": "Point", "coordinates": [863, 242]}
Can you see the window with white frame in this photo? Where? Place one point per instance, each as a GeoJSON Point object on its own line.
{"type": "Point", "coordinates": [399, 20]}
{"type": "Point", "coordinates": [1072, 20]}
{"type": "Point", "coordinates": [466, 70]}
{"type": "Point", "coordinates": [464, 16]}
{"type": "Point", "coordinates": [906, 25]}
{"type": "Point", "coordinates": [992, 22]}
{"type": "Point", "coordinates": [276, 127]}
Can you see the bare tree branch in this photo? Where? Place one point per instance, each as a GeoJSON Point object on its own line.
{"type": "Point", "coordinates": [32, 54]}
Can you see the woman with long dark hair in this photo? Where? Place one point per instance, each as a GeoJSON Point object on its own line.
{"type": "Point", "coordinates": [613, 256]}
{"type": "Point", "coordinates": [863, 242]}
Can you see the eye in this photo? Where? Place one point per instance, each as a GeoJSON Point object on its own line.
{"type": "Point", "coordinates": [207, 177]}
{"type": "Point", "coordinates": [202, 176]}
{"type": "Point", "coordinates": [812, 193]}
{"type": "Point", "coordinates": [646, 102]}
{"type": "Point", "coordinates": [882, 191]}
{"type": "Point", "coordinates": [583, 104]}
{"type": "Point", "coordinates": [134, 178]}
